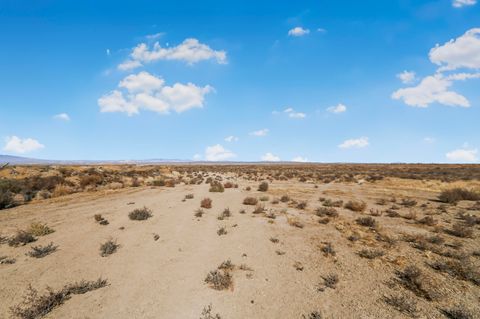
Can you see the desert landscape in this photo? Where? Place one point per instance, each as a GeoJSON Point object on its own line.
{"type": "Point", "coordinates": [240, 241]}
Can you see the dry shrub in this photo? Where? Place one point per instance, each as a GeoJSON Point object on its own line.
{"type": "Point", "coordinates": [189, 196]}
{"type": "Point", "coordinates": [285, 198]}
{"type": "Point", "coordinates": [170, 183]}
{"type": "Point", "coordinates": [460, 230]}
{"type": "Point", "coordinates": [331, 203]}
{"type": "Point", "coordinates": [206, 203]}
{"type": "Point", "coordinates": [412, 279]}
{"type": "Point", "coordinates": [199, 212]}
{"type": "Point", "coordinates": [90, 180]}
{"type": "Point", "coordinates": [21, 238]}
{"type": "Point", "coordinates": [225, 214]}
{"type": "Point", "coordinates": [329, 281]}
{"type": "Point", "coordinates": [222, 231]}
{"type": "Point", "coordinates": [250, 201]}
{"type": "Point", "coordinates": [216, 187]}
{"type": "Point", "coordinates": [140, 214]}
{"type": "Point", "coordinates": [4, 260]}
{"type": "Point", "coordinates": [35, 306]}
{"type": "Point", "coordinates": [108, 248]}
{"type": "Point", "coordinates": [293, 221]}
{"type": "Point", "coordinates": [458, 312]}
{"type": "Point", "coordinates": [462, 270]}
{"type": "Point", "coordinates": [302, 205]}
{"type": "Point", "coordinates": [207, 313]}
{"type": "Point", "coordinates": [356, 206]}
{"type": "Point", "coordinates": [264, 198]}
{"type": "Point", "coordinates": [371, 253]}
{"type": "Point", "coordinates": [38, 229]}
{"type": "Point", "coordinates": [402, 304]}
{"type": "Point", "coordinates": [326, 211]}
{"type": "Point", "coordinates": [259, 209]}
{"type": "Point", "coordinates": [62, 190]}
{"type": "Point", "coordinates": [219, 280]}
{"type": "Point", "coordinates": [98, 217]}
{"type": "Point", "coordinates": [367, 222]}
{"type": "Point", "coordinates": [228, 185]}
{"type": "Point", "coordinates": [406, 202]}
{"type": "Point", "coordinates": [328, 249]}
{"type": "Point", "coordinates": [42, 251]}
{"type": "Point", "coordinates": [454, 195]}
{"type": "Point", "coordinates": [427, 220]}
{"type": "Point", "coordinates": [263, 187]}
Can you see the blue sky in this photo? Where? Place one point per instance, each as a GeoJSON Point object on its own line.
{"type": "Point", "coordinates": [326, 81]}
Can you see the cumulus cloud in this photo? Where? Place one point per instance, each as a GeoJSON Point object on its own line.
{"type": "Point", "coordinates": [355, 143]}
{"type": "Point", "coordinates": [269, 157]}
{"type": "Point", "coordinates": [217, 153]}
{"type": "Point", "coordinates": [231, 138]}
{"type": "Point", "coordinates": [340, 108]}
{"type": "Point", "coordinates": [18, 145]}
{"type": "Point", "coordinates": [148, 92]}
{"type": "Point", "coordinates": [463, 155]}
{"type": "Point", "coordinates": [300, 159]}
{"type": "Point", "coordinates": [462, 52]}
{"type": "Point", "coordinates": [294, 115]}
{"type": "Point", "coordinates": [463, 3]}
{"type": "Point", "coordinates": [407, 77]}
{"type": "Point", "coordinates": [298, 32]}
{"type": "Point", "coordinates": [431, 89]}
{"type": "Point", "coordinates": [190, 51]}
{"type": "Point", "coordinates": [62, 117]}
{"type": "Point", "coordinates": [262, 132]}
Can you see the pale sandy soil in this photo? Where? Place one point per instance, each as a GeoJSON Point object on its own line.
{"type": "Point", "coordinates": [165, 278]}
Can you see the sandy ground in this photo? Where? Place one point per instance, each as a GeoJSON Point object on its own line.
{"type": "Point", "coordinates": [165, 278]}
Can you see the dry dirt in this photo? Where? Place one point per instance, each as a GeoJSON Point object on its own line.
{"type": "Point", "coordinates": [164, 278]}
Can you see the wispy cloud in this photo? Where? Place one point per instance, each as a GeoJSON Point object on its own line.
{"type": "Point", "coordinates": [231, 138]}
{"type": "Point", "coordinates": [16, 144]}
{"type": "Point", "coordinates": [269, 157]}
{"type": "Point", "coordinates": [262, 132]}
{"type": "Point", "coordinates": [62, 117]}
{"type": "Point", "coordinates": [467, 155]}
{"type": "Point", "coordinates": [298, 32]}
{"type": "Point", "coordinates": [300, 159]}
{"type": "Point", "coordinates": [463, 3]}
{"type": "Point", "coordinates": [407, 77]}
{"type": "Point", "coordinates": [355, 143]}
{"type": "Point", "coordinates": [337, 109]}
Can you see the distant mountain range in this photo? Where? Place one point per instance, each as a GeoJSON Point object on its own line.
{"type": "Point", "coordinates": [18, 160]}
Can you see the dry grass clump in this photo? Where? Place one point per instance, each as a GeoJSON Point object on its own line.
{"type": "Point", "coordinates": [285, 199]}
{"type": "Point", "coordinates": [331, 203]}
{"type": "Point", "coordinates": [216, 187]}
{"type": "Point", "coordinates": [199, 212]}
{"type": "Point", "coordinates": [274, 240]}
{"type": "Point", "coordinates": [228, 185]}
{"type": "Point", "coordinates": [42, 251]}
{"type": "Point", "coordinates": [367, 222]}
{"type": "Point", "coordinates": [259, 209]}
{"type": "Point", "coordinates": [328, 249]}
{"type": "Point", "coordinates": [189, 196]}
{"type": "Point", "coordinates": [98, 217]}
{"type": "Point", "coordinates": [35, 306]}
{"type": "Point", "coordinates": [293, 221]}
{"type": "Point", "coordinates": [263, 187]}
{"type": "Point", "coordinates": [326, 211]}
{"type": "Point", "coordinates": [140, 214]}
{"type": "Point", "coordinates": [219, 279]}
{"type": "Point", "coordinates": [454, 195]}
{"type": "Point", "coordinates": [226, 265]}
{"type": "Point", "coordinates": [39, 229]}
{"type": "Point", "coordinates": [313, 315]}
{"type": "Point", "coordinates": [264, 198]}
{"type": "Point", "coordinates": [371, 253]}
{"type": "Point", "coordinates": [207, 313]}
{"type": "Point", "coordinates": [108, 248]}
{"type": "Point", "coordinates": [461, 230]}
{"type": "Point", "coordinates": [458, 312]}
{"type": "Point", "coordinates": [250, 201]}
{"type": "Point", "coordinates": [412, 279]}
{"type": "Point", "coordinates": [206, 203]}
{"type": "Point", "coordinates": [225, 214]}
{"type": "Point", "coordinates": [4, 260]}
{"type": "Point", "coordinates": [21, 238]}
{"type": "Point", "coordinates": [427, 220]}
{"type": "Point", "coordinates": [392, 213]}
{"type": "Point", "coordinates": [356, 206]}
{"type": "Point", "coordinates": [329, 281]}
{"type": "Point", "coordinates": [222, 231]}
{"type": "Point", "coordinates": [407, 202]}
{"type": "Point", "coordinates": [302, 205]}
{"type": "Point", "coordinates": [462, 270]}
{"type": "Point", "coordinates": [402, 304]}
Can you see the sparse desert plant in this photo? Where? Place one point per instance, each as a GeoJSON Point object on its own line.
{"type": "Point", "coordinates": [42, 251]}
{"type": "Point", "coordinates": [328, 249]}
{"type": "Point", "coordinates": [302, 205]}
{"type": "Point", "coordinates": [402, 304]}
{"type": "Point", "coordinates": [222, 231]}
{"type": "Point", "coordinates": [324, 221]}
{"type": "Point", "coordinates": [263, 187]}
{"type": "Point", "coordinates": [367, 222]}
{"type": "Point", "coordinates": [427, 220]}
{"type": "Point", "coordinates": [226, 265]}
{"type": "Point", "coordinates": [412, 279]}
{"type": "Point", "coordinates": [207, 313]}
{"type": "Point", "coordinates": [454, 195]}
{"type": "Point", "coordinates": [330, 203]}
{"type": "Point", "coordinates": [285, 199]}
{"type": "Point", "coordinates": [392, 213]}
{"type": "Point", "coordinates": [225, 214]}
{"type": "Point", "coordinates": [293, 221]}
{"type": "Point", "coordinates": [35, 306]}
{"type": "Point", "coordinates": [108, 248]}
{"type": "Point", "coordinates": [103, 222]}
{"type": "Point", "coordinates": [313, 315]}
{"type": "Point", "coordinates": [371, 253]}
{"type": "Point", "coordinates": [242, 211]}
{"type": "Point", "coordinates": [460, 230]}
{"type": "Point", "coordinates": [199, 212]}
{"type": "Point", "coordinates": [458, 312]}
{"type": "Point", "coordinates": [326, 211]}
{"type": "Point", "coordinates": [216, 187]}
{"type": "Point", "coordinates": [259, 209]}
{"type": "Point", "coordinates": [21, 238]}
{"type": "Point", "coordinates": [356, 206]}
{"type": "Point", "coordinates": [98, 217]}
{"type": "Point", "coordinates": [408, 202]}
{"type": "Point", "coordinates": [219, 280]}
{"type": "Point", "coordinates": [170, 183]}
{"type": "Point", "coordinates": [330, 281]}
{"type": "Point", "coordinates": [274, 240]}
{"type": "Point", "coordinates": [4, 260]}
{"type": "Point", "coordinates": [248, 188]}
{"type": "Point", "coordinates": [206, 203]}
{"type": "Point", "coordinates": [39, 229]}
{"type": "Point", "coordinates": [189, 196]}
{"type": "Point", "coordinates": [264, 198]}
{"type": "Point", "coordinates": [250, 201]}
{"type": "Point", "coordinates": [462, 270]}
{"type": "Point", "coordinates": [140, 214]}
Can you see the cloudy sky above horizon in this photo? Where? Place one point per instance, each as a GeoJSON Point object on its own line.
{"type": "Point", "coordinates": [320, 81]}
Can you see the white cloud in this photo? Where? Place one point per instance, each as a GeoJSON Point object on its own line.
{"type": "Point", "coordinates": [231, 138]}
{"type": "Point", "coordinates": [298, 32]}
{"type": "Point", "coordinates": [148, 92]}
{"type": "Point", "coordinates": [190, 51]}
{"type": "Point", "coordinates": [429, 140]}
{"type": "Point", "coordinates": [218, 153]}
{"type": "Point", "coordinates": [321, 30]}
{"type": "Point", "coordinates": [154, 36]}
{"type": "Point", "coordinates": [463, 155]}
{"type": "Point", "coordinates": [407, 77]}
{"type": "Point", "coordinates": [18, 145]}
{"type": "Point", "coordinates": [108, 51]}
{"type": "Point", "coordinates": [295, 115]}
{"type": "Point", "coordinates": [62, 117]}
{"type": "Point", "coordinates": [462, 52]}
{"type": "Point", "coordinates": [300, 159]}
{"type": "Point", "coordinates": [462, 3]}
{"type": "Point", "coordinates": [430, 90]}
{"type": "Point", "coordinates": [269, 157]}
{"type": "Point", "coordinates": [355, 143]}
{"type": "Point", "coordinates": [340, 108]}
{"type": "Point", "coordinates": [262, 132]}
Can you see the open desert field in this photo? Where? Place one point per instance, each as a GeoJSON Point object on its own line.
{"type": "Point", "coordinates": [240, 241]}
